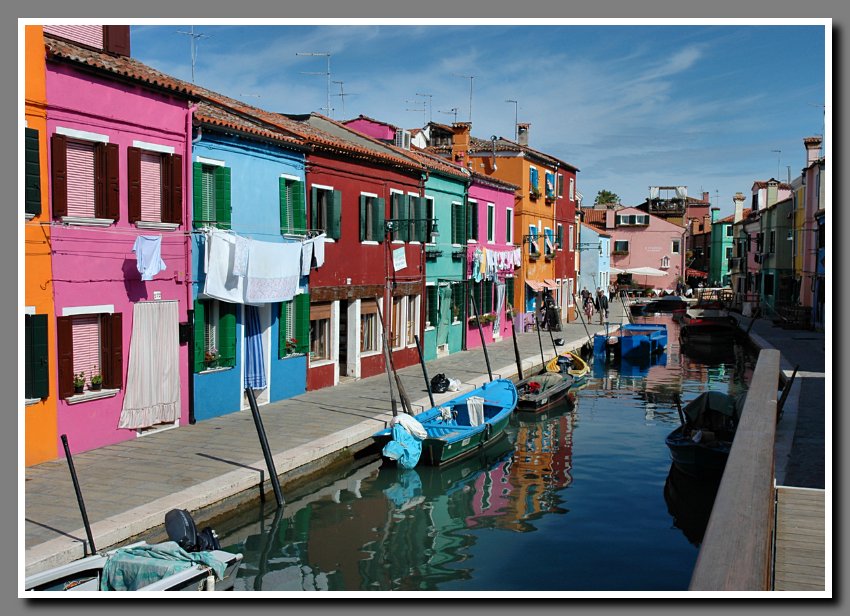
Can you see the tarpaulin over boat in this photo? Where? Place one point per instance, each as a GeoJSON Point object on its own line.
{"type": "Point", "coordinates": [703, 410]}
{"type": "Point", "coordinates": [132, 568]}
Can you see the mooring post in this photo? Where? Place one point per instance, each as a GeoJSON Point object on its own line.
{"type": "Point", "coordinates": [79, 492]}
{"type": "Point", "coordinates": [264, 443]}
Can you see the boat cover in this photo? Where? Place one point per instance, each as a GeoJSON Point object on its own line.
{"type": "Point", "coordinates": [702, 411]}
{"type": "Point", "coordinates": [404, 447]}
{"type": "Point", "coordinates": [132, 568]}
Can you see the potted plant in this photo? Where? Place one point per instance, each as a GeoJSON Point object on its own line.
{"type": "Point", "coordinates": [291, 345]}
{"type": "Point", "coordinates": [79, 382]}
{"type": "Point", "coordinates": [211, 358]}
{"type": "Point", "coordinates": [534, 192]}
{"type": "Point", "coordinates": [96, 380]}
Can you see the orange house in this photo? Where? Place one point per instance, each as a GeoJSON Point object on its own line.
{"type": "Point", "coordinates": [39, 404]}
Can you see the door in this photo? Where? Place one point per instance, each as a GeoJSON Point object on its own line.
{"type": "Point", "coordinates": [256, 352]}
{"type": "Point", "coordinates": [343, 338]}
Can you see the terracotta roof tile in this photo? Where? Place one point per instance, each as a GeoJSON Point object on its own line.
{"type": "Point", "coordinates": [481, 147]}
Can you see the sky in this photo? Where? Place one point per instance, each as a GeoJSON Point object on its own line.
{"type": "Point", "coordinates": [711, 107]}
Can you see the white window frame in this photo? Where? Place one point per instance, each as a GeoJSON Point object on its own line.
{"type": "Point", "coordinates": [451, 226]}
{"type": "Point", "coordinates": [572, 189]}
{"type": "Point", "coordinates": [665, 262]}
{"type": "Point", "coordinates": [368, 242]}
{"type": "Point", "coordinates": [491, 229]}
{"type": "Point", "coordinates": [84, 135]}
{"type": "Point", "coordinates": [470, 240]}
{"type": "Point", "coordinates": [392, 214]}
{"type": "Point", "coordinates": [674, 248]}
{"type": "Point", "coordinates": [560, 184]}
{"type": "Point", "coordinates": [533, 233]}
{"type": "Point", "coordinates": [509, 224]}
{"type": "Point", "coordinates": [412, 303]}
{"type": "Point", "coordinates": [559, 232]}
{"type": "Point", "coordinates": [410, 211]}
{"type": "Point", "coordinates": [572, 238]}
{"type": "Point", "coordinates": [545, 237]}
{"type": "Point", "coordinates": [428, 324]}
{"type": "Point", "coordinates": [430, 215]}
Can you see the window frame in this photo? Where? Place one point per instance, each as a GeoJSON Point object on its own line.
{"type": "Point", "coordinates": [321, 313]}
{"type": "Point", "coordinates": [509, 225]}
{"type": "Point", "coordinates": [491, 223]}
{"type": "Point", "coordinates": [620, 251]}
{"type": "Point", "coordinates": [676, 247]}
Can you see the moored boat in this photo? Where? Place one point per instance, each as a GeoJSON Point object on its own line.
{"type": "Point", "coordinates": [536, 393]}
{"type": "Point", "coordinates": [568, 363]}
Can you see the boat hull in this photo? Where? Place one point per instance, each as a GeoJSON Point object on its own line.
{"type": "Point", "coordinates": [554, 387]}
{"type": "Point", "coordinates": [578, 367]}
{"type": "Point", "coordinates": [697, 459]}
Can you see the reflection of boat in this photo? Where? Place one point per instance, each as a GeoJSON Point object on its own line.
{"type": "Point", "coordinates": [709, 328]}
{"type": "Point", "coordinates": [701, 445]}
{"type": "Point", "coordinates": [666, 304]}
{"type": "Point", "coordinates": [536, 393]}
{"type": "Point", "coordinates": [632, 340]}
{"type": "Point", "coordinates": [192, 560]}
{"type": "Point", "coordinates": [464, 424]}
{"type": "Point", "coordinates": [689, 500]}
{"type": "Point", "coordinates": [568, 363]}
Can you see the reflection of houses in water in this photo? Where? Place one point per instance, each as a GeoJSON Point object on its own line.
{"type": "Point", "coordinates": [541, 468]}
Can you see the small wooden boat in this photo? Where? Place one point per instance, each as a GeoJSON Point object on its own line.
{"type": "Point", "coordinates": [568, 363]}
{"type": "Point", "coordinates": [460, 427]}
{"type": "Point", "coordinates": [701, 445]}
{"type": "Point", "coordinates": [536, 393]}
{"type": "Point", "coordinates": [706, 325]}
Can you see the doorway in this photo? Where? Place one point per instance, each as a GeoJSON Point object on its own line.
{"type": "Point", "coordinates": [264, 319]}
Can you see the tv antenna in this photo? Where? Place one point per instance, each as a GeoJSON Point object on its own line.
{"type": "Point", "coordinates": [778, 161]}
{"type": "Point", "coordinates": [342, 94]}
{"type": "Point", "coordinates": [193, 38]}
{"type": "Point", "coordinates": [471, 78]}
{"type": "Point", "coordinates": [424, 108]}
{"type": "Point", "coordinates": [823, 127]}
{"type": "Point", "coordinates": [452, 111]}
{"type": "Point", "coordinates": [430, 104]}
{"type": "Point", "coordinates": [326, 73]}
{"type": "Point", "coordinates": [516, 120]}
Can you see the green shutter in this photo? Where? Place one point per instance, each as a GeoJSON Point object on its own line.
{"type": "Point", "coordinates": [285, 307]}
{"type": "Point", "coordinates": [432, 305]}
{"type": "Point", "coordinates": [421, 215]}
{"type": "Point", "coordinates": [458, 299]}
{"type": "Point", "coordinates": [227, 334]}
{"type": "Point", "coordinates": [457, 223]}
{"type": "Point", "coordinates": [334, 213]}
{"type": "Point", "coordinates": [302, 323]}
{"type": "Point", "coordinates": [37, 376]}
{"type": "Point", "coordinates": [199, 348]}
{"type": "Point", "coordinates": [32, 172]}
{"type": "Point", "coordinates": [197, 193]}
{"type": "Point", "coordinates": [488, 299]}
{"type": "Point", "coordinates": [314, 207]}
{"type": "Point", "coordinates": [472, 214]}
{"type": "Point", "coordinates": [403, 217]}
{"type": "Point", "coordinates": [286, 213]}
{"type": "Point", "coordinates": [222, 197]}
{"type": "Point", "coordinates": [509, 291]}
{"type": "Point", "coordinates": [299, 208]}
{"type": "Point", "coordinates": [378, 215]}
{"type": "Point", "coordinates": [364, 202]}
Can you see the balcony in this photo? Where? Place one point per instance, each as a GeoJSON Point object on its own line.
{"type": "Point", "coordinates": [667, 207]}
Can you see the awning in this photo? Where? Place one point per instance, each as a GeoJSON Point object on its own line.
{"type": "Point", "coordinates": [695, 273]}
{"type": "Point", "coordinates": [540, 285]}
{"type": "Point", "coordinates": [639, 271]}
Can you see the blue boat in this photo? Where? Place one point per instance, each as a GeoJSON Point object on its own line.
{"type": "Point", "coordinates": [632, 340]}
{"type": "Point", "coordinates": [453, 433]}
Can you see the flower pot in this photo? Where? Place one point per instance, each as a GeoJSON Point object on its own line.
{"type": "Point", "coordinates": [78, 389]}
{"type": "Point", "coordinates": [95, 386]}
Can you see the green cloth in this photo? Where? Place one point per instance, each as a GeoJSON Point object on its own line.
{"type": "Point", "coordinates": [135, 567]}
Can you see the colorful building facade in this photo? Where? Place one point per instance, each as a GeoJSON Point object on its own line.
{"type": "Point", "coordinates": [595, 248]}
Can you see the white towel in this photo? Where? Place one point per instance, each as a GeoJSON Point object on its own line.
{"type": "Point", "coordinates": [274, 269]}
{"type": "Point", "coordinates": [240, 256]}
{"type": "Point", "coordinates": [475, 409]}
{"type": "Point", "coordinates": [148, 249]}
{"type": "Point", "coordinates": [319, 249]}
{"type": "Point", "coordinates": [220, 283]}
{"type": "Point", "coordinates": [306, 256]}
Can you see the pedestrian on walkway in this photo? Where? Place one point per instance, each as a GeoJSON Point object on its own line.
{"type": "Point", "coordinates": [587, 304]}
{"type": "Point", "coordinates": [612, 291]}
{"type": "Point", "coordinates": [601, 305]}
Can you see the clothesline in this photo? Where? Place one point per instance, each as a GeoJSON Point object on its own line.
{"type": "Point", "coordinates": [284, 231]}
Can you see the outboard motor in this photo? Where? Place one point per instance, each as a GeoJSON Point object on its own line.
{"type": "Point", "coordinates": [182, 530]}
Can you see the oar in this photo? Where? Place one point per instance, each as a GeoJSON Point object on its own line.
{"type": "Point", "coordinates": [516, 346]}
{"type": "Point", "coordinates": [785, 391]}
{"type": "Point", "coordinates": [581, 317]}
{"type": "Point", "coordinates": [388, 358]}
{"type": "Point", "coordinates": [540, 342]}
{"type": "Point", "coordinates": [424, 369]}
{"type": "Point", "coordinates": [681, 414]}
{"type": "Point", "coordinates": [481, 333]}
{"type": "Point", "coordinates": [80, 502]}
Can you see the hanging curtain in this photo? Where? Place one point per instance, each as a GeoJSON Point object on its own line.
{"type": "Point", "coordinates": [444, 318]}
{"type": "Point", "coordinates": [682, 192]}
{"type": "Point", "coordinates": [255, 370]}
{"type": "Point", "coordinates": [500, 304]}
{"type": "Point", "coordinates": [153, 372]}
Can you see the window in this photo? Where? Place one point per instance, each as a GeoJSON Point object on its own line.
{"type": "Point", "coordinates": [37, 379]}
{"type": "Point", "coordinates": [559, 238]}
{"type": "Point", "coordinates": [772, 244]}
{"type": "Point", "coordinates": [458, 224]}
{"type": "Point", "coordinates": [293, 209]}
{"type": "Point", "coordinates": [533, 185]}
{"type": "Point", "coordinates": [458, 300]}
{"type": "Point", "coordinates": [572, 189]}
{"type": "Point", "coordinates": [632, 219]}
{"type": "Point", "coordinates": [675, 246]}
{"type": "Point", "coordinates": [84, 175]}
{"type": "Point", "coordinates": [397, 324]}
{"type": "Point", "coordinates": [32, 172]}
{"type": "Point", "coordinates": [155, 186]}
{"type": "Point", "coordinates": [549, 241]}
{"type": "Point", "coordinates": [372, 210]}
{"type": "Point", "coordinates": [215, 335]}
{"type": "Point", "coordinates": [211, 195]}
{"type": "Point", "coordinates": [412, 316]}
{"type": "Point", "coordinates": [325, 210]}
{"type": "Point", "coordinates": [294, 326]}
{"type": "Point", "coordinates": [429, 214]}
{"type": "Point", "coordinates": [729, 230]}
{"type": "Point", "coordinates": [621, 247]}
{"type": "Point", "coordinates": [665, 262]}
{"type": "Point", "coordinates": [368, 327]}
{"type": "Point", "coordinates": [431, 314]}
{"type": "Point", "coordinates": [534, 244]}
{"type": "Point", "coordinates": [483, 294]}
{"type": "Point", "coordinates": [491, 222]}
{"type": "Point", "coordinates": [418, 216]}
{"type": "Point", "coordinates": [320, 331]}
{"type": "Point", "coordinates": [472, 220]}
{"type": "Point", "coordinates": [768, 285]}
{"type": "Point", "coordinates": [560, 184]}
{"type": "Point", "coordinates": [729, 251]}
{"type": "Point", "coordinates": [509, 226]}
{"type": "Point", "coordinates": [89, 343]}
{"type": "Point", "coordinates": [509, 292]}
{"type": "Point", "coordinates": [550, 185]}
{"type": "Point", "coordinates": [572, 238]}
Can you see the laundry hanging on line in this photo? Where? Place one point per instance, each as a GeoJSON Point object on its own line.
{"type": "Point", "coordinates": [148, 249]}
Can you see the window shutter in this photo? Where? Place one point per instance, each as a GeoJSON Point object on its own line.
{"type": "Point", "coordinates": [432, 305]}
{"type": "Point", "coordinates": [378, 217]}
{"type": "Point", "coordinates": [285, 308]}
{"type": "Point", "coordinates": [533, 178]}
{"type": "Point", "coordinates": [65, 356]}
{"type": "Point", "coordinates": [37, 377]}
{"type": "Point", "coordinates": [222, 197]}
{"type": "Point", "coordinates": [32, 172]}
{"type": "Point", "coordinates": [59, 177]}
{"type": "Point", "coordinates": [116, 39]}
{"type": "Point", "coordinates": [227, 333]}
{"type": "Point", "coordinates": [314, 207]}
{"type": "Point", "coordinates": [111, 358]}
{"type": "Point", "coordinates": [302, 323]}
{"type": "Point", "coordinates": [286, 213]}
{"type": "Point", "coordinates": [197, 194]}
{"type": "Point", "coordinates": [334, 214]}
{"type": "Point", "coordinates": [395, 215]}
{"type": "Point", "coordinates": [363, 204]}
{"type": "Point", "coordinates": [472, 220]}
{"type": "Point", "coordinates": [113, 183]}
{"type": "Point", "coordinates": [457, 223]}
{"type": "Point", "coordinates": [403, 218]}
{"type": "Point", "coordinates": [173, 208]}
{"type": "Point", "coordinates": [420, 214]}
{"type": "Point", "coordinates": [299, 208]}
{"type": "Point", "coordinates": [509, 291]}
{"type": "Point", "coordinates": [199, 337]}
{"type": "Point", "coordinates": [458, 299]}
{"type": "Point", "coordinates": [134, 185]}
{"type": "Point", "coordinates": [100, 185]}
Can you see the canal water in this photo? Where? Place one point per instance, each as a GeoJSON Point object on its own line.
{"type": "Point", "coordinates": [581, 498]}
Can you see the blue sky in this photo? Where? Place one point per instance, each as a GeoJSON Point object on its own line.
{"type": "Point", "coordinates": [631, 106]}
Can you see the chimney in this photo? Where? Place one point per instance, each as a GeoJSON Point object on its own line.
{"type": "Point", "coordinates": [714, 212]}
{"type": "Point", "coordinates": [738, 199]}
{"type": "Point", "coordinates": [772, 192]}
{"type": "Point", "coordinates": [706, 222]}
{"type": "Point", "coordinates": [522, 133]}
{"type": "Point", "coordinates": [609, 219]}
{"type": "Point", "coordinates": [705, 197]}
{"type": "Point", "coordinates": [460, 141]}
{"type": "Point", "coordinates": [812, 149]}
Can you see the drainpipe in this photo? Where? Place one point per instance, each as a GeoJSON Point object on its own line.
{"type": "Point", "coordinates": [187, 224]}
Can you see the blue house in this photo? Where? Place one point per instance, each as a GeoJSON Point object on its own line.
{"type": "Point", "coordinates": [595, 259]}
{"type": "Point", "coordinates": [248, 189]}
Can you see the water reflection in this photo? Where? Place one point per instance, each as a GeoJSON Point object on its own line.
{"type": "Point", "coordinates": [689, 501]}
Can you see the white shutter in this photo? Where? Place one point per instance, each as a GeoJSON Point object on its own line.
{"type": "Point", "coordinates": [151, 187]}
{"type": "Point", "coordinates": [86, 334]}
{"type": "Point", "coordinates": [80, 158]}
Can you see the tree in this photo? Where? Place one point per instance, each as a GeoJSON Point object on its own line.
{"type": "Point", "coordinates": [606, 197]}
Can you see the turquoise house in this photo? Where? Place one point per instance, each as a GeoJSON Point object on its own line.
{"type": "Point", "coordinates": [722, 249]}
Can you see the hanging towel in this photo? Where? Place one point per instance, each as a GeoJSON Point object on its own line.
{"type": "Point", "coordinates": [306, 256]}
{"type": "Point", "coordinates": [148, 249]}
{"type": "Point", "coordinates": [517, 257]}
{"type": "Point", "coordinates": [255, 370]}
{"type": "Point", "coordinates": [500, 304]}
{"type": "Point", "coordinates": [273, 271]}
{"type": "Point", "coordinates": [475, 408]}
{"type": "Point", "coordinates": [240, 256]}
{"type": "Point", "coordinates": [483, 261]}
{"type": "Point", "coordinates": [476, 265]}
{"type": "Point", "coordinates": [220, 283]}
{"type": "Point", "coordinates": [319, 250]}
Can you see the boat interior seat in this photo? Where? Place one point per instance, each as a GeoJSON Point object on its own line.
{"type": "Point", "coordinates": [442, 429]}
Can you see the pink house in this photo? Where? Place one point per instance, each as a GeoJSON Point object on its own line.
{"type": "Point", "coordinates": [641, 240]}
{"type": "Point", "coordinates": [120, 249]}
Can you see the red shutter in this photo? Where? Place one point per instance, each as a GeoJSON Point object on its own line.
{"type": "Point", "coordinates": [111, 351]}
{"type": "Point", "coordinates": [59, 174]}
{"type": "Point", "coordinates": [116, 39]}
{"type": "Point", "coordinates": [100, 180]}
{"type": "Point", "coordinates": [134, 184]}
{"type": "Point", "coordinates": [65, 348]}
{"type": "Point", "coordinates": [163, 203]}
{"type": "Point", "coordinates": [175, 199]}
{"type": "Point", "coordinates": [112, 181]}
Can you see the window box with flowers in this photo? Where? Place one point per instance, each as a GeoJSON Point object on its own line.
{"type": "Point", "coordinates": [484, 318]}
{"type": "Point", "coordinates": [211, 358]}
{"type": "Point", "coordinates": [96, 382]}
{"type": "Point", "coordinates": [291, 347]}
{"type": "Point", "coordinates": [79, 382]}
{"type": "Point", "coordinates": [534, 193]}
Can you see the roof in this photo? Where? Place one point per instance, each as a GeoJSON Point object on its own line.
{"type": "Point", "coordinates": [731, 217]}
{"type": "Point", "coordinates": [213, 115]}
{"type": "Point", "coordinates": [484, 147]}
{"type": "Point", "coordinates": [764, 183]}
{"type": "Point", "coordinates": [493, 182]}
{"type": "Point", "coordinates": [439, 165]}
{"type": "Point", "coordinates": [594, 229]}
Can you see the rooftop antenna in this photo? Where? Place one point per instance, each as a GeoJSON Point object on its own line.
{"type": "Point", "coordinates": [778, 159]}
{"type": "Point", "coordinates": [342, 96]}
{"type": "Point", "coordinates": [452, 111]}
{"type": "Point", "coordinates": [326, 73]}
{"type": "Point", "coordinates": [823, 128]}
{"type": "Point", "coordinates": [516, 120]}
{"type": "Point", "coordinates": [194, 50]}
{"type": "Point", "coordinates": [415, 108]}
{"type": "Point", "coordinates": [470, 77]}
{"type": "Point", "coordinates": [430, 104]}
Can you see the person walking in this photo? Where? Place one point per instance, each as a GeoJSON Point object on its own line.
{"type": "Point", "coordinates": [601, 305]}
{"type": "Point", "coordinates": [587, 304]}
